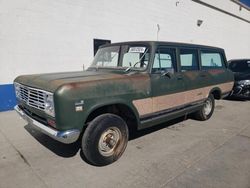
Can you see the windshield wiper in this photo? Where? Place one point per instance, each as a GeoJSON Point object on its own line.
{"type": "Point", "coordinates": [128, 69]}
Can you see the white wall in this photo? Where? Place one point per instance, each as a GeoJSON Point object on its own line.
{"type": "Point", "coordinates": [52, 36]}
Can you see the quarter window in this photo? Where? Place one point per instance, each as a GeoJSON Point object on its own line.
{"type": "Point", "coordinates": [189, 59]}
{"type": "Point", "coordinates": [211, 60]}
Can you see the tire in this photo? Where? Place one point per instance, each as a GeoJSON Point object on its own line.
{"type": "Point", "coordinates": [207, 109]}
{"type": "Point", "coordinates": [105, 139]}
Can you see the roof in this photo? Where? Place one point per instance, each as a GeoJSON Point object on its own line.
{"type": "Point", "coordinates": [162, 43]}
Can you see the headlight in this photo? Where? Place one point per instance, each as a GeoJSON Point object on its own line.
{"type": "Point", "coordinates": [17, 89]}
{"type": "Point", "coordinates": [49, 104]}
{"type": "Point", "coordinates": [243, 82]}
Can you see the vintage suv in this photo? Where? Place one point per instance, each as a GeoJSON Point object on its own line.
{"type": "Point", "coordinates": [129, 86]}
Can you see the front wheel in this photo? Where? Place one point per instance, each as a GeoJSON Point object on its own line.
{"type": "Point", "coordinates": [207, 109]}
{"type": "Point", "coordinates": [105, 139]}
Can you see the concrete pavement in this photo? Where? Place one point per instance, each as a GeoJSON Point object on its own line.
{"type": "Point", "coordinates": [182, 153]}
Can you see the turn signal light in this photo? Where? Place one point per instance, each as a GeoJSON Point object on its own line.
{"type": "Point", "coordinates": [51, 122]}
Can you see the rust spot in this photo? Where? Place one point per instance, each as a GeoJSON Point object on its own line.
{"type": "Point", "coordinates": [216, 71]}
{"type": "Point", "coordinates": [191, 75]}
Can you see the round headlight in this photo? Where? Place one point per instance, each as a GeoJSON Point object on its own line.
{"type": "Point", "coordinates": [17, 90]}
{"type": "Point", "coordinates": [49, 104]}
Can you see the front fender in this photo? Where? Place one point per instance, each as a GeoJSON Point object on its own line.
{"type": "Point", "coordinates": [100, 104]}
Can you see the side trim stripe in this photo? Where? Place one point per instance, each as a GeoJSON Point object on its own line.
{"type": "Point", "coordinates": [165, 102]}
{"type": "Point", "coordinates": [171, 110]}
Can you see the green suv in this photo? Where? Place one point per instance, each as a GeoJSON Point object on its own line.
{"type": "Point", "coordinates": [129, 86]}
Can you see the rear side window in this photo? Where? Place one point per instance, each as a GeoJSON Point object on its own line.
{"type": "Point", "coordinates": [164, 61]}
{"type": "Point", "coordinates": [211, 60]}
{"type": "Point", "coordinates": [239, 66]}
{"type": "Point", "coordinates": [189, 59]}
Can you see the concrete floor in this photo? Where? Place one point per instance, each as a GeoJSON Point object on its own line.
{"type": "Point", "coordinates": [183, 153]}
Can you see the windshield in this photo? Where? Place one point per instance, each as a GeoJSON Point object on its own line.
{"type": "Point", "coordinates": [125, 56]}
{"type": "Point", "coordinates": [240, 66]}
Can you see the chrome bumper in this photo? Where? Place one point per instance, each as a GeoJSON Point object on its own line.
{"type": "Point", "coordinates": [66, 137]}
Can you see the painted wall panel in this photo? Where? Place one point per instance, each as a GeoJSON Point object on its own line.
{"type": "Point", "coordinates": [7, 97]}
{"type": "Point", "coordinates": [52, 36]}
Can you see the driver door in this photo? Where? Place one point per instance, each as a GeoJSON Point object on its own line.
{"type": "Point", "coordinates": [166, 83]}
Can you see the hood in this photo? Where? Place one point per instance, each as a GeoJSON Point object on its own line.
{"type": "Point", "coordinates": [52, 81]}
{"type": "Point", "coordinates": [241, 76]}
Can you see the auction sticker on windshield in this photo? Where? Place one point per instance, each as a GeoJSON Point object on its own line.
{"type": "Point", "coordinates": [137, 49]}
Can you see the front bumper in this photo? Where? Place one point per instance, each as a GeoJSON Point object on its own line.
{"type": "Point", "coordinates": [66, 137]}
{"type": "Point", "coordinates": [242, 91]}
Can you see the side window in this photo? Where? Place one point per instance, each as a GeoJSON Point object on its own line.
{"type": "Point", "coordinates": [239, 66]}
{"type": "Point", "coordinates": [165, 60]}
{"type": "Point", "coordinates": [210, 60]}
{"type": "Point", "coordinates": [135, 56]}
{"type": "Point", "coordinates": [189, 59]}
{"type": "Point", "coordinates": [129, 58]}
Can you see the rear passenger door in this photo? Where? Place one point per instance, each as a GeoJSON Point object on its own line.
{"type": "Point", "coordinates": [166, 82]}
{"type": "Point", "coordinates": [195, 79]}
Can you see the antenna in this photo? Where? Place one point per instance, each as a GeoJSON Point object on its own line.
{"type": "Point", "coordinates": [158, 30]}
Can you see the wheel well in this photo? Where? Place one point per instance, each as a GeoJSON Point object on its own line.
{"type": "Point", "coordinates": [119, 109]}
{"type": "Point", "coordinates": [216, 93]}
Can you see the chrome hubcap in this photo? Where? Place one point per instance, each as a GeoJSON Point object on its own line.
{"type": "Point", "coordinates": [108, 141]}
{"type": "Point", "coordinates": [207, 107]}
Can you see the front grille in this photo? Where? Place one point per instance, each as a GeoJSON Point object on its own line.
{"type": "Point", "coordinates": [32, 97]}
{"type": "Point", "coordinates": [33, 115]}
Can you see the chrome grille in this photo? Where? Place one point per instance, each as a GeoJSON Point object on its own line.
{"type": "Point", "coordinates": [32, 97]}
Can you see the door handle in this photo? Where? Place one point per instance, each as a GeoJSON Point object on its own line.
{"type": "Point", "coordinates": [179, 78]}
{"type": "Point", "coordinates": [166, 74]}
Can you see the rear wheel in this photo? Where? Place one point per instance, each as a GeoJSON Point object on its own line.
{"type": "Point", "coordinates": [105, 139]}
{"type": "Point", "coordinates": [207, 109]}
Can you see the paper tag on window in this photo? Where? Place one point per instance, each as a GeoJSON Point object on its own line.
{"type": "Point", "coordinates": [137, 49]}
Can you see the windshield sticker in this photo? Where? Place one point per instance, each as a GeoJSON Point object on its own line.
{"type": "Point", "coordinates": [137, 49]}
